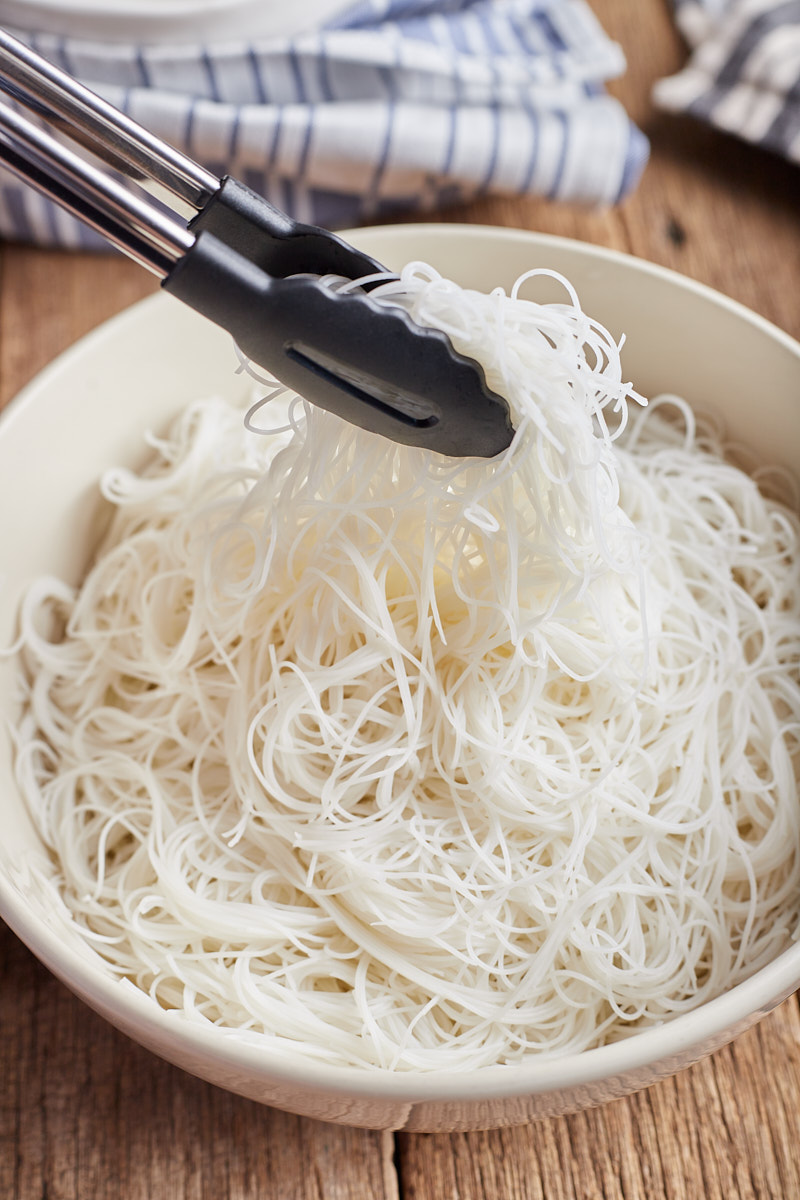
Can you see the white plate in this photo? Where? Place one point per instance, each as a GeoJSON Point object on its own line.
{"type": "Point", "coordinates": [159, 21]}
{"type": "Point", "coordinates": [90, 408]}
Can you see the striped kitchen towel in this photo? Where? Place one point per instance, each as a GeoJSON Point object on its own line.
{"type": "Point", "coordinates": [390, 106]}
{"type": "Point", "coordinates": [744, 72]}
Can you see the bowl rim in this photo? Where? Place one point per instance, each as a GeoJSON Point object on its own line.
{"type": "Point", "coordinates": [133, 1011]}
{"type": "Point", "coordinates": [506, 233]}
{"type": "Point", "coordinates": [716, 1021]}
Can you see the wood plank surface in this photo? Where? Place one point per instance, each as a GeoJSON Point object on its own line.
{"type": "Point", "coordinates": [87, 1115]}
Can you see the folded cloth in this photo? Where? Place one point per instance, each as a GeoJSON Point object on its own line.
{"type": "Point", "coordinates": [389, 106]}
{"type": "Point", "coordinates": [744, 72]}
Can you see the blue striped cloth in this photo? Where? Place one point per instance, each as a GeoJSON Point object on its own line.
{"type": "Point", "coordinates": [392, 106]}
{"type": "Point", "coordinates": [744, 72]}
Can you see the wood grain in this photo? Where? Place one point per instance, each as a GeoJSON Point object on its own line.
{"type": "Point", "coordinates": [726, 1128]}
{"type": "Point", "coordinates": [49, 299]}
{"type": "Point", "coordinates": [86, 1115]}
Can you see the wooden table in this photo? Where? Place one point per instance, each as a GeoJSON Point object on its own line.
{"type": "Point", "coordinates": [86, 1115]}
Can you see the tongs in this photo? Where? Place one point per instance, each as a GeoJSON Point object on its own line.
{"type": "Point", "coordinates": [250, 269]}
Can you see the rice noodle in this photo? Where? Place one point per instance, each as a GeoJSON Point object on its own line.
{"type": "Point", "coordinates": [402, 762]}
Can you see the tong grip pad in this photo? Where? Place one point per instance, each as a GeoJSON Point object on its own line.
{"type": "Point", "coordinates": [275, 242]}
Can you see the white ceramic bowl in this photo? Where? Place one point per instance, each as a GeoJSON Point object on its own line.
{"type": "Point", "coordinates": [90, 408]}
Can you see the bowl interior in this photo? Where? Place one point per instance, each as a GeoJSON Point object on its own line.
{"type": "Point", "coordinates": [92, 407]}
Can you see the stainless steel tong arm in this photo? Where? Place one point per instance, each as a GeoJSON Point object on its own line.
{"type": "Point", "coordinates": [250, 268]}
{"type": "Point", "coordinates": [110, 134]}
{"type": "Point", "coordinates": [153, 239]}
{"type": "Point", "coordinates": [246, 222]}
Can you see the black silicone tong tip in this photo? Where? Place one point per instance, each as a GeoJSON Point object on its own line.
{"type": "Point", "coordinates": [370, 364]}
{"type": "Point", "coordinates": [274, 241]}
